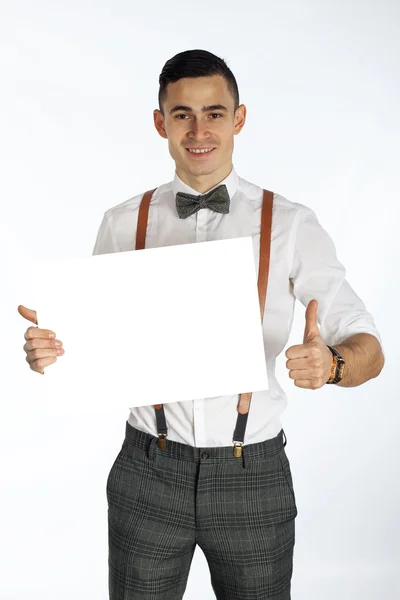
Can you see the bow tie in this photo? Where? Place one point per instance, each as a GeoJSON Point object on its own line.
{"type": "Point", "coordinates": [188, 204]}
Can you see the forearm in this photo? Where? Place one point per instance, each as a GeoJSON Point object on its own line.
{"type": "Point", "coordinates": [362, 353]}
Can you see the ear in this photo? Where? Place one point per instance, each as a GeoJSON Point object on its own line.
{"type": "Point", "coordinates": [159, 123]}
{"type": "Point", "coordinates": [240, 119]}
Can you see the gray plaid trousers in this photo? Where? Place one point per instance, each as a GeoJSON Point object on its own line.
{"type": "Point", "coordinates": [240, 511]}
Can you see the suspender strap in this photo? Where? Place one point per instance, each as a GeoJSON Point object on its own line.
{"type": "Point", "coordinates": [162, 430]}
{"type": "Point", "coordinates": [143, 215]}
{"type": "Point", "coordinates": [263, 272]}
{"type": "Point", "coordinates": [142, 219]}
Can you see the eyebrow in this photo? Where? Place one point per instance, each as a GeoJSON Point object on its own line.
{"type": "Point", "coordinates": [204, 108]}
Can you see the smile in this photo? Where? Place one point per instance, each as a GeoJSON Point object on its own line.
{"type": "Point", "coordinates": [199, 151]}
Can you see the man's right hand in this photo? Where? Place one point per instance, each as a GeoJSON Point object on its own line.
{"type": "Point", "coordinates": [41, 349]}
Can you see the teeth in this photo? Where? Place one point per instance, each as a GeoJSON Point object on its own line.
{"type": "Point", "coordinates": [201, 151]}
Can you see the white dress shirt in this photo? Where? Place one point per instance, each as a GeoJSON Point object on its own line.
{"type": "Point", "coordinates": [303, 265]}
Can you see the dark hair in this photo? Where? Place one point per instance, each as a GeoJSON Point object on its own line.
{"type": "Point", "coordinates": [195, 63]}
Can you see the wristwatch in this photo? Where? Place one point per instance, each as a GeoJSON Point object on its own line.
{"type": "Point", "coordinates": [337, 369]}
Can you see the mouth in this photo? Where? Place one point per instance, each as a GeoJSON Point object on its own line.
{"type": "Point", "coordinates": [200, 152]}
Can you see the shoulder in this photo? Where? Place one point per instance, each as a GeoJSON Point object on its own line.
{"type": "Point", "coordinates": [131, 206]}
{"type": "Point", "coordinates": [119, 223]}
{"type": "Point", "coordinates": [284, 210]}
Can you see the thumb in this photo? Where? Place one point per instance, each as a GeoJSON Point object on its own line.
{"type": "Point", "coordinates": [27, 313]}
{"type": "Point", "coordinates": [311, 330]}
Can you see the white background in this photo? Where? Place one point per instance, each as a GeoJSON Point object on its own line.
{"type": "Point", "coordinates": [78, 85]}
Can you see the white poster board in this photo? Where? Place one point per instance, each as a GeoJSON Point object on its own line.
{"type": "Point", "coordinates": [152, 326]}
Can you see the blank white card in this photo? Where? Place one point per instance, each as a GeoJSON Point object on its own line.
{"type": "Point", "coordinates": [153, 326]}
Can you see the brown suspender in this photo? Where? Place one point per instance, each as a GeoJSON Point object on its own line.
{"type": "Point", "coordinates": [263, 272]}
{"type": "Point", "coordinates": [142, 220]}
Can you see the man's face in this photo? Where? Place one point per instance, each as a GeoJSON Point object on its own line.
{"type": "Point", "coordinates": [199, 114]}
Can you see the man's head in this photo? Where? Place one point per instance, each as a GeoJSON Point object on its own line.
{"type": "Point", "coordinates": [199, 109]}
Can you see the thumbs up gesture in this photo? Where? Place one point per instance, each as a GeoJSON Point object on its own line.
{"type": "Point", "coordinates": [310, 363]}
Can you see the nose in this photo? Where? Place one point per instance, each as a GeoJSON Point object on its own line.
{"type": "Point", "coordinates": [198, 130]}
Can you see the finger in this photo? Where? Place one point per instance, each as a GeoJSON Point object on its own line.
{"type": "Point", "coordinates": [40, 364]}
{"type": "Point", "coordinates": [298, 363]}
{"type": "Point", "coordinates": [39, 353]}
{"type": "Point", "coordinates": [311, 372]}
{"type": "Point", "coordinates": [312, 364]}
{"type": "Point", "coordinates": [35, 332]}
{"type": "Point", "coordinates": [302, 351]}
{"type": "Point", "coordinates": [27, 313]}
{"type": "Point", "coordinates": [41, 343]}
{"type": "Point", "coordinates": [303, 374]}
{"type": "Point", "coordinates": [303, 383]}
{"type": "Point", "coordinates": [309, 384]}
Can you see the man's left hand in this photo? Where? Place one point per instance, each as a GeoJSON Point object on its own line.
{"type": "Point", "coordinates": [310, 363]}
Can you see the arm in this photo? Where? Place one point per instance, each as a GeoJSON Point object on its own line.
{"type": "Point", "coordinates": [364, 359]}
{"type": "Point", "coordinates": [345, 323]}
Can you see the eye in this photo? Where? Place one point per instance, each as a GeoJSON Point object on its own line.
{"type": "Point", "coordinates": [214, 116]}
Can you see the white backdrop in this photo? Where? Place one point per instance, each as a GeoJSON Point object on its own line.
{"type": "Point", "coordinates": [78, 85]}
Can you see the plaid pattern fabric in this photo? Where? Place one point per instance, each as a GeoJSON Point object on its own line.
{"type": "Point", "coordinates": [240, 511]}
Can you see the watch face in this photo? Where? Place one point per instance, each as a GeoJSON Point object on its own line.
{"type": "Point", "coordinates": [337, 366]}
{"type": "Point", "coordinates": [341, 365]}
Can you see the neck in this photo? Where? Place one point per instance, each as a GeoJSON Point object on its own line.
{"type": "Point", "coordinates": [203, 183]}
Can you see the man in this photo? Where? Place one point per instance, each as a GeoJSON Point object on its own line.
{"type": "Point", "coordinates": [177, 481]}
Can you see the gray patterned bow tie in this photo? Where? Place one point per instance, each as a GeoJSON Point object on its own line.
{"type": "Point", "coordinates": [188, 204]}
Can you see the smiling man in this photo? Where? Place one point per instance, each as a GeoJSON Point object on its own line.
{"type": "Point", "coordinates": [214, 471]}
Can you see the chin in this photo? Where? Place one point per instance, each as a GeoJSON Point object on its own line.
{"type": "Point", "coordinates": [203, 170]}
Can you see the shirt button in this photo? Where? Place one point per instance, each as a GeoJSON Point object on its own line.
{"type": "Point", "coordinates": [205, 455]}
{"type": "Point", "coordinates": [202, 228]}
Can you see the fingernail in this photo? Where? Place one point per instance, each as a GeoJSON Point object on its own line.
{"type": "Point", "coordinates": [52, 335]}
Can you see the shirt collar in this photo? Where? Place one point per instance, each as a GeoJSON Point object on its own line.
{"type": "Point", "coordinates": [231, 182]}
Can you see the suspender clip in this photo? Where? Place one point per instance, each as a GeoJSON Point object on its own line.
{"type": "Point", "coordinates": [162, 442]}
{"type": "Point", "coordinates": [237, 449]}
